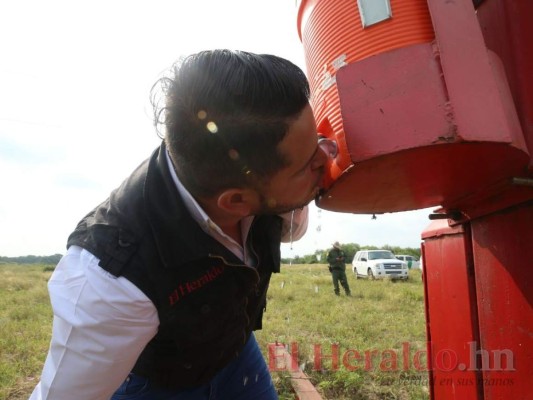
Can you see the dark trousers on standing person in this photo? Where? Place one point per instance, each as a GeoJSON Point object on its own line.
{"type": "Point", "coordinates": [339, 275]}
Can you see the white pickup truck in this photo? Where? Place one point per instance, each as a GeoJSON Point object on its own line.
{"type": "Point", "coordinates": [379, 264]}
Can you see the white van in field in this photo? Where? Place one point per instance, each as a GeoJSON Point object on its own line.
{"type": "Point", "coordinates": [412, 262]}
{"type": "Point", "coordinates": [379, 264]}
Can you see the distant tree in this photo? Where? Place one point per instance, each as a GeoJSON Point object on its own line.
{"type": "Point", "coordinates": [310, 259]}
{"type": "Point", "coordinates": [349, 250]}
{"type": "Point", "coordinates": [30, 259]}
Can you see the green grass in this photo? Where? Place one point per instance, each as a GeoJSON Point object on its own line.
{"type": "Point", "coordinates": [380, 316]}
{"type": "Point", "coordinates": [302, 309]}
{"type": "Point", "coordinates": [25, 327]}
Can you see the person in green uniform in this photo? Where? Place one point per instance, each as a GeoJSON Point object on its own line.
{"type": "Point", "coordinates": [337, 267]}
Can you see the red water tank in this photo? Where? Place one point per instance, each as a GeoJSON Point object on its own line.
{"type": "Point", "coordinates": [420, 109]}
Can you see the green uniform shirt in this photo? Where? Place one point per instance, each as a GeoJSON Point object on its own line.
{"type": "Point", "coordinates": [336, 259]}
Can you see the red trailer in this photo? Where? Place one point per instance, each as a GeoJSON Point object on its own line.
{"type": "Point", "coordinates": [431, 104]}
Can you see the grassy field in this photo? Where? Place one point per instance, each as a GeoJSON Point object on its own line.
{"type": "Point", "coordinates": [25, 327]}
{"type": "Point", "coordinates": [351, 347]}
{"type": "Point", "coordinates": [380, 320]}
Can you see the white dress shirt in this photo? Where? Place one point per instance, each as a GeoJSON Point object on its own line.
{"type": "Point", "coordinates": [102, 323]}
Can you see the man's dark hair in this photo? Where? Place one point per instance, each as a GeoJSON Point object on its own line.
{"type": "Point", "coordinates": [225, 112]}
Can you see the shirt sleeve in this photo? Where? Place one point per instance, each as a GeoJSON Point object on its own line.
{"type": "Point", "coordinates": [101, 325]}
{"type": "Point", "coordinates": [294, 224]}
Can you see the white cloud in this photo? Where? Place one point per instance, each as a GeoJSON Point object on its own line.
{"type": "Point", "coordinates": [75, 113]}
{"type": "Point", "coordinates": [325, 227]}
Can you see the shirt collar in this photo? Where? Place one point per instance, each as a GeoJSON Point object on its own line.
{"type": "Point", "coordinates": [204, 221]}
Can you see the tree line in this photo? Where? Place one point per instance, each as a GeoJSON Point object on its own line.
{"type": "Point", "coordinates": [319, 256]}
{"type": "Point", "coordinates": [50, 260]}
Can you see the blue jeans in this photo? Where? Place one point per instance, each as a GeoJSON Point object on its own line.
{"type": "Point", "coordinates": [245, 378]}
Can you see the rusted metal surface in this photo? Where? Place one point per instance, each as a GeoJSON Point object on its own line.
{"type": "Point", "coordinates": [502, 246]}
{"type": "Point", "coordinates": [508, 32]}
{"type": "Point", "coordinates": [451, 313]}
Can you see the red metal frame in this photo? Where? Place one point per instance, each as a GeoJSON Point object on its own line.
{"type": "Point", "coordinates": [450, 123]}
{"type": "Point", "coordinates": [451, 312]}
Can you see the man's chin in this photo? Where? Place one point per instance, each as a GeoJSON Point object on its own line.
{"type": "Point", "coordinates": [284, 208]}
{"type": "Point", "coordinates": [272, 207]}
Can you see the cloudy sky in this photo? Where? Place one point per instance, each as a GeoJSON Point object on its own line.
{"type": "Point", "coordinates": [75, 115]}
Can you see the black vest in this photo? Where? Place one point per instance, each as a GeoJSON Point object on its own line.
{"type": "Point", "coordinates": [207, 300]}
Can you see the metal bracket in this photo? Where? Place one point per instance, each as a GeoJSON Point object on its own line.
{"type": "Point", "coordinates": [522, 181]}
{"type": "Point", "coordinates": [452, 214]}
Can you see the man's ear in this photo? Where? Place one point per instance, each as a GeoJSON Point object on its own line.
{"type": "Point", "coordinates": [237, 202]}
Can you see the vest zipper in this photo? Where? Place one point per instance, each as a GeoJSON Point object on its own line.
{"type": "Point", "coordinates": [258, 260]}
{"type": "Point", "coordinates": [256, 285]}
